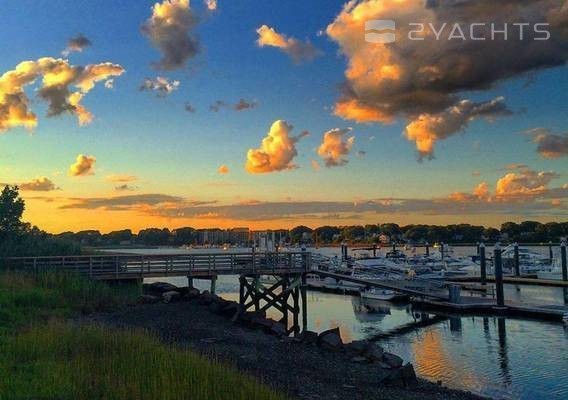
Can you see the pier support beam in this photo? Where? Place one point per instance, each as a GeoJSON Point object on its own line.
{"type": "Point", "coordinates": [516, 260]}
{"type": "Point", "coordinates": [285, 296]}
{"type": "Point", "coordinates": [563, 261]}
{"type": "Point", "coordinates": [498, 275]}
{"type": "Point", "coordinates": [482, 264]}
{"type": "Point", "coordinates": [213, 284]}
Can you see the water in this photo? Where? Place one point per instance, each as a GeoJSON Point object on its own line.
{"type": "Point", "coordinates": [502, 358]}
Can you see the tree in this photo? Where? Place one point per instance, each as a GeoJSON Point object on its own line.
{"type": "Point", "coordinates": [154, 236]}
{"type": "Point", "coordinates": [181, 236]}
{"type": "Point", "coordinates": [298, 233]}
{"type": "Point", "coordinates": [12, 208]}
{"type": "Point", "coordinates": [325, 234]}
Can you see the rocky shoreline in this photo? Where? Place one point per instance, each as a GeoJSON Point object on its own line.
{"type": "Point", "coordinates": [312, 366]}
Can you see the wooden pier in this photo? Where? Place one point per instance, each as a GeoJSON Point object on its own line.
{"type": "Point", "coordinates": [287, 295]}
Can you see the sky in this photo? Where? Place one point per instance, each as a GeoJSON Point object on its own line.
{"type": "Point", "coordinates": [272, 114]}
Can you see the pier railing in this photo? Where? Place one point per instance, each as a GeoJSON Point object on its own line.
{"type": "Point", "coordinates": [140, 266]}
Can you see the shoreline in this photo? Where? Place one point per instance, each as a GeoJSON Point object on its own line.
{"type": "Point", "coordinates": [299, 368]}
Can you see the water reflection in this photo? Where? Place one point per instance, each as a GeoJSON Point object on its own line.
{"type": "Point", "coordinates": [503, 356]}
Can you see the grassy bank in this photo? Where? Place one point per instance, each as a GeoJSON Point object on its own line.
{"type": "Point", "coordinates": [42, 356]}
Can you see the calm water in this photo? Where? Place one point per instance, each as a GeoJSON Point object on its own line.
{"type": "Point", "coordinates": [502, 358]}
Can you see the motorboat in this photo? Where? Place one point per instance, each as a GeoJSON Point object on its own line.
{"type": "Point", "coordinates": [382, 294]}
{"type": "Point", "coordinates": [530, 261]}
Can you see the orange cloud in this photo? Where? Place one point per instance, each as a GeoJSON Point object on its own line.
{"type": "Point", "coordinates": [57, 77]}
{"type": "Point", "coordinates": [42, 184]}
{"type": "Point", "coordinates": [297, 50]}
{"type": "Point", "coordinates": [121, 178]}
{"type": "Point", "coordinates": [276, 152]}
{"type": "Point", "coordinates": [223, 169]}
{"type": "Point", "coordinates": [334, 149]}
{"type": "Point", "coordinates": [84, 165]}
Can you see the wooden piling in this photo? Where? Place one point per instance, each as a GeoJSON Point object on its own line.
{"type": "Point", "coordinates": [563, 261]}
{"type": "Point", "coordinates": [516, 259]}
{"type": "Point", "coordinates": [498, 265]}
{"type": "Point", "coordinates": [483, 264]}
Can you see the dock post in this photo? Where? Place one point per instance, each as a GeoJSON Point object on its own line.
{"type": "Point", "coordinates": [517, 266]}
{"type": "Point", "coordinates": [213, 284]}
{"type": "Point", "coordinates": [375, 251]}
{"type": "Point", "coordinates": [477, 248]}
{"type": "Point", "coordinates": [563, 261]}
{"type": "Point", "coordinates": [482, 264]}
{"type": "Point", "coordinates": [455, 294]}
{"type": "Point", "coordinates": [442, 250]}
{"type": "Point", "coordinates": [427, 249]}
{"type": "Point", "coordinates": [189, 281]}
{"type": "Point", "coordinates": [550, 253]}
{"type": "Point", "coordinates": [498, 275]}
{"type": "Point", "coordinates": [304, 303]}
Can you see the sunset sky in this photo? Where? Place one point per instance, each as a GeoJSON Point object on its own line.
{"type": "Point", "coordinates": [273, 113]}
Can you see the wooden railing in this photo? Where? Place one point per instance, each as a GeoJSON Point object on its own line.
{"type": "Point", "coordinates": [134, 266]}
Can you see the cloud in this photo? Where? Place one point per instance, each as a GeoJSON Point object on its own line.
{"type": "Point", "coordinates": [315, 165]}
{"type": "Point", "coordinates": [124, 188]}
{"type": "Point", "coordinates": [169, 29]}
{"type": "Point", "coordinates": [241, 105]}
{"type": "Point", "coordinates": [121, 178]}
{"type": "Point", "coordinates": [76, 44]}
{"type": "Point", "coordinates": [524, 183]}
{"type": "Point", "coordinates": [211, 4]}
{"type": "Point", "coordinates": [84, 165]}
{"type": "Point", "coordinates": [427, 129]}
{"type": "Point", "coordinates": [334, 147]}
{"type": "Point", "coordinates": [297, 50]}
{"type": "Point", "coordinates": [109, 84]}
{"type": "Point", "coordinates": [216, 107]}
{"type": "Point", "coordinates": [58, 79]}
{"type": "Point", "coordinates": [161, 85]}
{"type": "Point", "coordinates": [189, 108]}
{"type": "Point", "coordinates": [276, 152]}
{"type": "Point", "coordinates": [121, 203]}
{"type": "Point", "coordinates": [223, 169]}
{"type": "Point", "coordinates": [42, 184]}
{"type": "Point", "coordinates": [421, 79]}
{"type": "Point", "coordinates": [550, 145]}
{"type": "Point", "coordinates": [244, 105]}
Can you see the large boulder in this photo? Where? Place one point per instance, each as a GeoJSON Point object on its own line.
{"type": "Point", "coordinates": [357, 347]}
{"type": "Point", "coordinates": [330, 339]}
{"type": "Point", "coordinates": [392, 360]}
{"type": "Point", "coordinates": [170, 296]}
{"type": "Point", "coordinates": [207, 298]}
{"type": "Point", "coordinates": [147, 299]}
{"type": "Point", "coordinates": [160, 287]}
{"type": "Point", "coordinates": [278, 329]}
{"type": "Point", "coordinates": [308, 337]}
{"type": "Point", "coordinates": [191, 293]}
{"type": "Point", "coordinates": [402, 377]}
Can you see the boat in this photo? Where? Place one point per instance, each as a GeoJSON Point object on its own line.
{"type": "Point", "coordinates": [382, 294]}
{"type": "Point", "coordinates": [530, 262]}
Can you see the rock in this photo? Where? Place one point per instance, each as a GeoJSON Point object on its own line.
{"type": "Point", "coordinates": [278, 329]}
{"type": "Point", "coordinates": [192, 293]}
{"type": "Point", "coordinates": [330, 339]}
{"type": "Point", "coordinates": [373, 352]}
{"type": "Point", "coordinates": [170, 296]}
{"type": "Point", "coordinates": [309, 337]}
{"type": "Point", "coordinates": [263, 323]}
{"type": "Point", "coordinates": [359, 359]}
{"type": "Point", "coordinates": [402, 377]}
{"type": "Point", "coordinates": [229, 309]}
{"type": "Point", "coordinates": [392, 360]}
{"type": "Point", "coordinates": [206, 298]}
{"type": "Point", "coordinates": [357, 346]}
{"type": "Point", "coordinates": [160, 287]}
{"type": "Point", "coordinates": [147, 299]}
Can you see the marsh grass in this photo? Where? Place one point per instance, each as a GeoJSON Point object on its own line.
{"type": "Point", "coordinates": [44, 357]}
{"type": "Point", "coordinates": [61, 361]}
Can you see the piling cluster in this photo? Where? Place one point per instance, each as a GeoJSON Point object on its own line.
{"type": "Point", "coordinates": [390, 367]}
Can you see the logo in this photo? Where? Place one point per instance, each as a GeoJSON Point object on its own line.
{"type": "Point", "coordinates": [380, 31]}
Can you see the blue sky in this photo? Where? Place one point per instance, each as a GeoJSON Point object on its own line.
{"type": "Point", "coordinates": [177, 153]}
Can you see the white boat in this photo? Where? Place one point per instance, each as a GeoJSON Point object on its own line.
{"type": "Point", "coordinates": [530, 262]}
{"type": "Point", "coordinates": [382, 294]}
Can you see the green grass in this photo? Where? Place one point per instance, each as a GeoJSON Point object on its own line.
{"type": "Point", "coordinates": [44, 357]}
